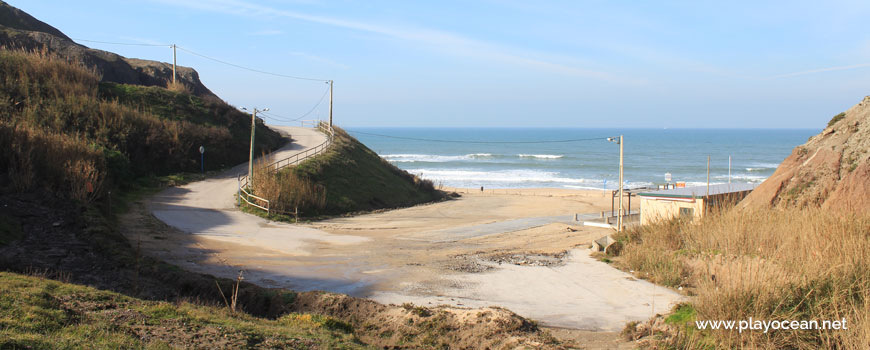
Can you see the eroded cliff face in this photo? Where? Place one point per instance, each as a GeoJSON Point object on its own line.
{"type": "Point", "coordinates": [19, 30]}
{"type": "Point", "coordinates": [831, 170]}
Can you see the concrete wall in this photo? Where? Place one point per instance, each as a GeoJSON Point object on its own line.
{"type": "Point", "coordinates": [653, 209]}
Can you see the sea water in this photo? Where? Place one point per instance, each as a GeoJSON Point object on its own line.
{"type": "Point", "coordinates": [587, 164]}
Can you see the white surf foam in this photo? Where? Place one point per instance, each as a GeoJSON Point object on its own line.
{"type": "Point", "coordinates": [540, 156]}
{"type": "Point", "coordinates": [514, 178]}
{"type": "Point", "coordinates": [433, 158]}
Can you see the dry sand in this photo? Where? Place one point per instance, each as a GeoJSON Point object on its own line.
{"type": "Point", "coordinates": [517, 249]}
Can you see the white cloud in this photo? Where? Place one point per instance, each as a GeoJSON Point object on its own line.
{"type": "Point", "coordinates": [442, 41]}
{"type": "Point", "coordinates": [821, 70]}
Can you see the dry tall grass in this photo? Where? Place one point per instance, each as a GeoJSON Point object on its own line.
{"type": "Point", "coordinates": [287, 191]}
{"type": "Point", "coordinates": [63, 135]}
{"type": "Point", "coordinates": [766, 264]}
{"type": "Point", "coordinates": [60, 163]}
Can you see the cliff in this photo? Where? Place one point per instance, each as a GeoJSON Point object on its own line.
{"type": "Point", "coordinates": [19, 30]}
{"type": "Point", "coordinates": [831, 170]}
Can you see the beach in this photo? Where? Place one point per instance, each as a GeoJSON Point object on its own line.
{"type": "Point", "coordinates": [517, 248]}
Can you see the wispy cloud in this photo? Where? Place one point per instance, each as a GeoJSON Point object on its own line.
{"type": "Point", "coordinates": [267, 32]}
{"type": "Point", "coordinates": [821, 70]}
{"type": "Point", "coordinates": [442, 41]}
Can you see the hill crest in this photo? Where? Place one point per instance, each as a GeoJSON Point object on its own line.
{"type": "Point", "coordinates": [19, 30]}
{"type": "Point", "coordinates": [831, 170]}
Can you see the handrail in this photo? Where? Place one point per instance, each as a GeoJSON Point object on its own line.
{"type": "Point", "coordinates": [248, 195]}
{"type": "Point", "coordinates": [288, 161]}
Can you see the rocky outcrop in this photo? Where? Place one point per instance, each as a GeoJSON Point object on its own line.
{"type": "Point", "coordinates": [19, 30]}
{"type": "Point", "coordinates": [831, 170]}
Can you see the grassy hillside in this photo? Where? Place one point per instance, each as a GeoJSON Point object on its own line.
{"type": "Point", "coordinates": [36, 313]}
{"type": "Point", "coordinates": [766, 264]}
{"type": "Point", "coordinates": [348, 177]}
{"type": "Point", "coordinates": [66, 132]}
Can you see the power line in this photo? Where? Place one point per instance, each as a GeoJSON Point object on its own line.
{"type": "Point", "coordinates": [246, 68]}
{"type": "Point", "coordinates": [466, 141]}
{"type": "Point", "coordinates": [287, 119]}
{"type": "Point", "coordinates": [206, 57]}
{"type": "Point", "coordinates": [117, 43]}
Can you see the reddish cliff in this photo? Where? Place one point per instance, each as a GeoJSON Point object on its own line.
{"type": "Point", "coordinates": [831, 170]}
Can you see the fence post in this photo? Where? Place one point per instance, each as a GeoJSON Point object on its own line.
{"type": "Point", "coordinates": [239, 191]}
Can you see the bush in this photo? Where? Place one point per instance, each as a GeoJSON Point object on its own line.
{"type": "Point", "coordinates": [836, 118]}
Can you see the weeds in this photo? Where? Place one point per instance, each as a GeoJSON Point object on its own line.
{"type": "Point", "coordinates": [234, 297]}
{"type": "Point", "coordinates": [66, 132]}
{"type": "Point", "coordinates": [794, 264]}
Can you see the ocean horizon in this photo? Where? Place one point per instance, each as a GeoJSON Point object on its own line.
{"type": "Point", "coordinates": [592, 162]}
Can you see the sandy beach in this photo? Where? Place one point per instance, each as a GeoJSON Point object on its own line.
{"type": "Point", "coordinates": [516, 248]}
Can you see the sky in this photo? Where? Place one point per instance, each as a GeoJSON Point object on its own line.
{"type": "Point", "coordinates": [504, 63]}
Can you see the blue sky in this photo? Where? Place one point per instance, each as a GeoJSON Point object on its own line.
{"type": "Point", "coordinates": [508, 63]}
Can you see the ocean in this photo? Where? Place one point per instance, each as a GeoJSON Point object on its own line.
{"type": "Point", "coordinates": [592, 163]}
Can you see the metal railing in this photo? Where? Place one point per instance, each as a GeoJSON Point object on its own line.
{"type": "Point", "coordinates": [244, 192]}
{"type": "Point", "coordinates": [244, 195]}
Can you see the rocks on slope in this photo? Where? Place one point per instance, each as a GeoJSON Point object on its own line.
{"type": "Point", "coordinates": [19, 30]}
{"type": "Point", "coordinates": [831, 170]}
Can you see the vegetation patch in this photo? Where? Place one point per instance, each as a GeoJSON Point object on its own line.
{"type": "Point", "coordinates": [36, 313]}
{"type": "Point", "coordinates": [836, 119]}
{"type": "Point", "coordinates": [66, 132]}
{"type": "Point", "coordinates": [767, 264]}
{"type": "Point", "coordinates": [348, 177]}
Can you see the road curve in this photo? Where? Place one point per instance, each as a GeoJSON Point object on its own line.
{"type": "Point", "coordinates": [207, 207]}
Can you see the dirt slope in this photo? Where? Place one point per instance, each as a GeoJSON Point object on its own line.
{"type": "Point", "coordinates": [831, 170]}
{"type": "Point", "coordinates": [20, 30]}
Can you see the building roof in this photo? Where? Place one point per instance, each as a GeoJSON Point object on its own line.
{"type": "Point", "coordinates": [699, 191]}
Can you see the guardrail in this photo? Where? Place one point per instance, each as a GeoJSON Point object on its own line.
{"type": "Point", "coordinates": [244, 195]}
{"type": "Point", "coordinates": [244, 192]}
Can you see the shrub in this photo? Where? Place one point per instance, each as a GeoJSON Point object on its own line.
{"type": "Point", "coordinates": [836, 118]}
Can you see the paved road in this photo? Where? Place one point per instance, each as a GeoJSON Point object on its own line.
{"type": "Point", "coordinates": [583, 293]}
{"type": "Point", "coordinates": [207, 208]}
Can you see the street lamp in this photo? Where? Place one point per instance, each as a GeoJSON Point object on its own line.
{"type": "Point", "coordinates": [619, 213]}
{"type": "Point", "coordinates": [251, 158]}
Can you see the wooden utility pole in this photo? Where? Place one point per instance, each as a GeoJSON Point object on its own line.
{"type": "Point", "coordinates": [330, 104]}
{"type": "Point", "coordinates": [621, 211]}
{"type": "Point", "coordinates": [173, 64]}
{"type": "Point", "coordinates": [708, 177]}
{"type": "Point", "coordinates": [251, 158]}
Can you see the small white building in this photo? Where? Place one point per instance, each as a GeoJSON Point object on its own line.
{"type": "Point", "coordinates": [689, 202]}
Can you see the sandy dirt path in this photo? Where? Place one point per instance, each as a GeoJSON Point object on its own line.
{"type": "Point", "coordinates": [517, 249]}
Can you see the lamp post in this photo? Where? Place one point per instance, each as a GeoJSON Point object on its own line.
{"type": "Point", "coordinates": [620, 212]}
{"type": "Point", "coordinates": [251, 157]}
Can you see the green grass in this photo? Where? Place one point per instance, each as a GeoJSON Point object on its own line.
{"type": "Point", "coordinates": [357, 179]}
{"type": "Point", "coordinates": [37, 313]}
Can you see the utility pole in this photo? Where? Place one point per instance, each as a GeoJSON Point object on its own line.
{"type": "Point", "coordinates": [708, 177]}
{"type": "Point", "coordinates": [251, 158]}
{"type": "Point", "coordinates": [173, 64]}
{"type": "Point", "coordinates": [621, 212]}
{"type": "Point", "coordinates": [330, 104]}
